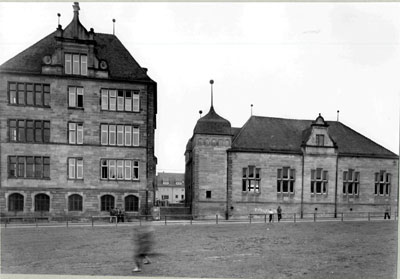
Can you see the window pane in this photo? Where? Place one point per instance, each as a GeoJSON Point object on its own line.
{"type": "Point", "coordinates": [79, 92]}
{"type": "Point", "coordinates": [104, 134]}
{"type": "Point", "coordinates": [46, 167]}
{"type": "Point", "coordinates": [79, 169]}
{"type": "Point", "coordinates": [29, 95]}
{"type": "Point", "coordinates": [113, 99]}
{"type": "Point", "coordinates": [75, 65]}
{"type": "Point", "coordinates": [46, 131]}
{"type": "Point", "coordinates": [112, 134]}
{"type": "Point", "coordinates": [135, 99]}
{"type": "Point", "coordinates": [135, 170]}
{"type": "Point", "coordinates": [79, 139]}
{"type": "Point", "coordinates": [120, 169]}
{"type": "Point", "coordinates": [120, 100]}
{"type": "Point", "coordinates": [128, 175]}
{"type": "Point", "coordinates": [244, 173]}
{"type": "Point", "coordinates": [285, 172]}
{"type": "Point", "coordinates": [128, 100]}
{"type": "Point", "coordinates": [312, 174]}
{"type": "Point", "coordinates": [72, 133]}
{"type": "Point", "coordinates": [12, 166]}
{"type": "Point", "coordinates": [319, 174]}
{"type": "Point", "coordinates": [21, 166]}
{"type": "Point", "coordinates": [38, 167]}
{"type": "Point", "coordinates": [251, 171]}
{"type": "Point", "coordinates": [38, 95]}
{"type": "Point", "coordinates": [21, 93]}
{"type": "Point", "coordinates": [29, 166]}
{"type": "Point", "coordinates": [135, 136]}
{"type": "Point", "coordinates": [83, 65]}
{"type": "Point", "coordinates": [120, 135]}
{"type": "Point", "coordinates": [72, 93]}
{"type": "Point", "coordinates": [244, 185]}
{"type": "Point", "coordinates": [104, 99]}
{"type": "Point", "coordinates": [21, 131]}
{"type": "Point", "coordinates": [128, 130]}
{"type": "Point", "coordinates": [112, 169]}
{"type": "Point", "coordinates": [71, 169]}
{"type": "Point", "coordinates": [104, 169]}
{"type": "Point", "coordinates": [68, 63]}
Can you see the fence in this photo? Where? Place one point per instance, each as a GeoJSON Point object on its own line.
{"type": "Point", "coordinates": [173, 219]}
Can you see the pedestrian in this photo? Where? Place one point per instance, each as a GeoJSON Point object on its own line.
{"type": "Point", "coordinates": [271, 214]}
{"type": "Point", "coordinates": [387, 213]}
{"type": "Point", "coordinates": [143, 241]}
{"type": "Point", "coordinates": [112, 214]}
{"type": "Point", "coordinates": [279, 211]}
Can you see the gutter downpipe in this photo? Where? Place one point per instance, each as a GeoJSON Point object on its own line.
{"type": "Point", "coordinates": [302, 185]}
{"type": "Point", "coordinates": [336, 183]}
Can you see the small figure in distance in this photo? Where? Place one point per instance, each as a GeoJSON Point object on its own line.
{"type": "Point", "coordinates": [143, 241]}
{"type": "Point", "coordinates": [279, 211]}
{"type": "Point", "coordinates": [387, 213]}
{"type": "Point", "coordinates": [271, 214]}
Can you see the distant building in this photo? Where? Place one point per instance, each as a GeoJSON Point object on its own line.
{"type": "Point", "coordinates": [304, 166]}
{"type": "Point", "coordinates": [77, 122]}
{"type": "Point", "coordinates": [170, 188]}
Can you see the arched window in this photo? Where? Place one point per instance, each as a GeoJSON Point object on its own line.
{"type": "Point", "coordinates": [131, 203]}
{"type": "Point", "coordinates": [75, 202]}
{"type": "Point", "coordinates": [16, 202]}
{"type": "Point", "coordinates": [107, 203]}
{"type": "Point", "coordinates": [42, 202]}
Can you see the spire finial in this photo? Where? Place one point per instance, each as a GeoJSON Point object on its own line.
{"type": "Point", "coordinates": [251, 109]}
{"type": "Point", "coordinates": [76, 8]}
{"type": "Point", "coordinates": [337, 116]}
{"type": "Point", "coordinates": [212, 97]}
{"type": "Point", "coordinates": [200, 112]}
{"type": "Point", "coordinates": [113, 26]}
{"type": "Point", "coordinates": [59, 15]}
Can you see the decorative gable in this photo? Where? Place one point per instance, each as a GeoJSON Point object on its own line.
{"type": "Point", "coordinates": [318, 139]}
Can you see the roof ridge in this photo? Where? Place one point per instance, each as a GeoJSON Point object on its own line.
{"type": "Point", "coordinates": [241, 129]}
{"type": "Point", "coordinates": [282, 118]}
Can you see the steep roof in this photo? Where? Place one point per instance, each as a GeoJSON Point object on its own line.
{"type": "Point", "coordinates": [213, 124]}
{"type": "Point", "coordinates": [270, 134]}
{"type": "Point", "coordinates": [121, 64]}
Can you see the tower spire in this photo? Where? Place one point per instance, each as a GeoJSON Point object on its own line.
{"type": "Point", "coordinates": [212, 97]}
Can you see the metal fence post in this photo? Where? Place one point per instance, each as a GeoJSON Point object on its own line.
{"type": "Point", "coordinates": [295, 217]}
{"type": "Point", "coordinates": [116, 222]}
{"type": "Point", "coordinates": [36, 222]}
{"type": "Point", "coordinates": [315, 216]}
{"type": "Point", "coordinates": [165, 218]}
{"type": "Point", "coordinates": [250, 218]}
{"type": "Point", "coordinates": [191, 220]}
{"type": "Point", "coordinates": [140, 220]}
{"type": "Point", "coordinates": [5, 223]}
{"type": "Point", "coordinates": [342, 216]}
{"type": "Point", "coordinates": [67, 221]}
{"type": "Point", "coordinates": [92, 221]}
{"type": "Point", "coordinates": [369, 217]}
{"type": "Point", "coordinates": [216, 218]}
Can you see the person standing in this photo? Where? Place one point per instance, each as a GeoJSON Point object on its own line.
{"type": "Point", "coordinates": [271, 214]}
{"type": "Point", "coordinates": [279, 211]}
{"type": "Point", "coordinates": [387, 213]}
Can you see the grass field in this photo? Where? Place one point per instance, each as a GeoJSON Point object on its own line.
{"type": "Point", "coordinates": [278, 250]}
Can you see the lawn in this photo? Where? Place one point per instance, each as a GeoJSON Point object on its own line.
{"type": "Point", "coordinates": [277, 250]}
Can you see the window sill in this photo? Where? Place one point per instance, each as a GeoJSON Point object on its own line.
{"type": "Point", "coordinates": [29, 178]}
{"type": "Point", "coordinates": [31, 106]}
{"type": "Point", "coordinates": [76, 108]}
{"type": "Point", "coordinates": [120, 180]}
{"type": "Point", "coordinates": [128, 111]}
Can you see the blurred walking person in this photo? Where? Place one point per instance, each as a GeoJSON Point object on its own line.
{"type": "Point", "coordinates": [279, 211]}
{"type": "Point", "coordinates": [143, 240]}
{"type": "Point", "coordinates": [271, 214]}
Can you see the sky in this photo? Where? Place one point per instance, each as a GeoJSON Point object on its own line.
{"type": "Point", "coordinates": [290, 60]}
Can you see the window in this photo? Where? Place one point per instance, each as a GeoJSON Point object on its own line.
{"type": "Point", "coordinates": [320, 140]}
{"type": "Point", "coordinates": [75, 64]}
{"type": "Point", "coordinates": [107, 203]}
{"type": "Point", "coordinates": [75, 168]}
{"type": "Point", "coordinates": [36, 131]}
{"type": "Point", "coordinates": [75, 202]}
{"type": "Point", "coordinates": [121, 135]}
{"type": "Point", "coordinates": [319, 181]}
{"type": "Point", "coordinates": [131, 203]}
{"type": "Point", "coordinates": [165, 197]}
{"type": "Point", "coordinates": [29, 94]}
{"type": "Point", "coordinates": [28, 167]}
{"type": "Point", "coordinates": [351, 182]}
{"type": "Point", "coordinates": [208, 194]}
{"type": "Point", "coordinates": [285, 180]}
{"type": "Point", "coordinates": [382, 183]}
{"type": "Point", "coordinates": [120, 100]}
{"type": "Point", "coordinates": [16, 202]}
{"type": "Point", "coordinates": [75, 133]}
{"type": "Point", "coordinates": [75, 97]}
{"type": "Point", "coordinates": [251, 179]}
{"type": "Point", "coordinates": [119, 169]}
{"type": "Point", "coordinates": [42, 202]}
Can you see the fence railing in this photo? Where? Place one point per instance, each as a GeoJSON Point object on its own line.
{"type": "Point", "coordinates": [138, 219]}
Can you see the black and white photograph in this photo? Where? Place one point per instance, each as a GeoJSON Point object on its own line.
{"type": "Point", "coordinates": [203, 139]}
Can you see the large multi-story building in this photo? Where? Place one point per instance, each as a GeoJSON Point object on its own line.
{"type": "Point", "coordinates": [77, 122]}
{"type": "Point", "coordinates": [302, 165]}
{"type": "Point", "coordinates": [170, 188]}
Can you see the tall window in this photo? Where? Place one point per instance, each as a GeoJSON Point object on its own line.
{"type": "Point", "coordinates": [319, 181]}
{"type": "Point", "coordinates": [75, 133]}
{"type": "Point", "coordinates": [121, 135]}
{"type": "Point", "coordinates": [251, 179]}
{"type": "Point", "coordinates": [131, 203]}
{"type": "Point", "coordinates": [119, 169]}
{"type": "Point", "coordinates": [75, 64]}
{"type": "Point", "coordinates": [382, 183]}
{"type": "Point", "coordinates": [285, 180]}
{"type": "Point", "coordinates": [120, 100]}
{"type": "Point", "coordinates": [351, 182]}
{"type": "Point", "coordinates": [29, 94]}
{"type": "Point", "coordinates": [28, 167]}
{"type": "Point", "coordinates": [75, 97]}
{"type": "Point", "coordinates": [28, 130]}
{"type": "Point", "coordinates": [42, 202]}
{"type": "Point", "coordinates": [16, 202]}
{"type": "Point", "coordinates": [75, 202]}
{"type": "Point", "coordinates": [75, 168]}
{"type": "Point", "coordinates": [107, 203]}
{"type": "Point", "coordinates": [320, 140]}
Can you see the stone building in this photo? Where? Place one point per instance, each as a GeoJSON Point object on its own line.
{"type": "Point", "coordinates": [77, 122]}
{"type": "Point", "coordinates": [170, 188]}
{"type": "Point", "coordinates": [302, 165]}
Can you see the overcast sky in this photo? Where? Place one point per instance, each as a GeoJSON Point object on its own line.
{"type": "Point", "coordinates": [290, 60]}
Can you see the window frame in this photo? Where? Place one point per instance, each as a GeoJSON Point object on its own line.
{"type": "Point", "coordinates": [16, 202]}
{"type": "Point", "coordinates": [383, 180]}
{"type": "Point", "coordinates": [26, 91]}
{"type": "Point", "coordinates": [76, 64]}
{"type": "Point", "coordinates": [321, 182]}
{"type": "Point", "coordinates": [290, 180]}
{"type": "Point", "coordinates": [19, 131]}
{"type": "Point", "coordinates": [251, 179]}
{"type": "Point", "coordinates": [75, 202]}
{"type": "Point", "coordinates": [74, 99]}
{"type": "Point", "coordinates": [18, 164]}
{"type": "Point", "coordinates": [75, 166]}
{"type": "Point", "coordinates": [120, 100]}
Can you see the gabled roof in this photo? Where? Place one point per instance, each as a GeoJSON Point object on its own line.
{"type": "Point", "coordinates": [121, 64]}
{"type": "Point", "coordinates": [268, 134]}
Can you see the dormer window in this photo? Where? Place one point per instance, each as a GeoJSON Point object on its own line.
{"type": "Point", "coordinates": [75, 64]}
{"type": "Point", "coordinates": [320, 140]}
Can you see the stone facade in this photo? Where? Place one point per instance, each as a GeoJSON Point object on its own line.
{"type": "Point", "coordinates": [92, 186]}
{"type": "Point", "coordinates": [330, 169]}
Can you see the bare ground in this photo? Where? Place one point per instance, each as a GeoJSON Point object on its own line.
{"type": "Point", "coordinates": [277, 250]}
